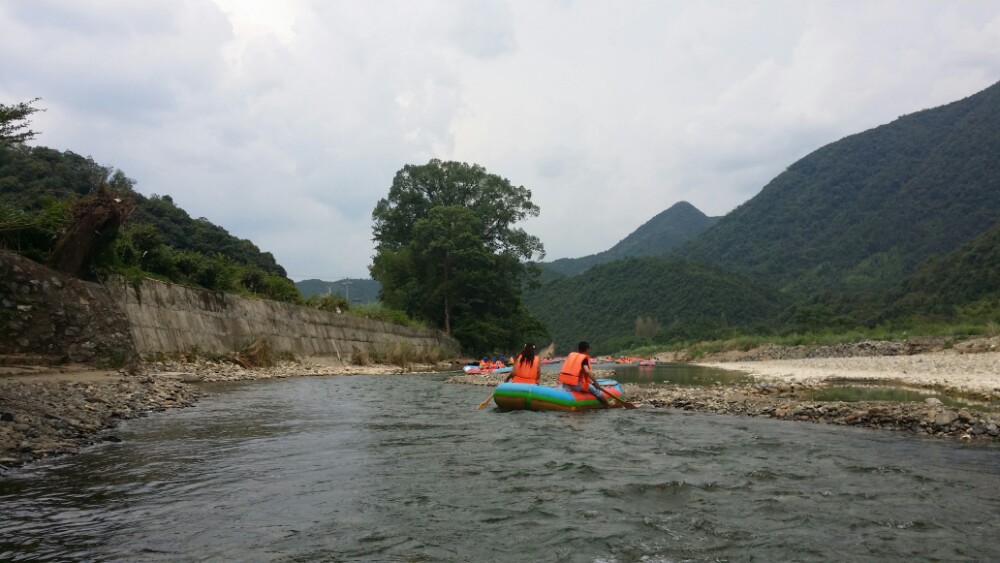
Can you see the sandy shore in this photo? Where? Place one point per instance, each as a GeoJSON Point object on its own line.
{"type": "Point", "coordinates": [948, 370]}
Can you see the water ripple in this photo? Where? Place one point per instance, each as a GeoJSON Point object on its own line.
{"type": "Point", "coordinates": [405, 469]}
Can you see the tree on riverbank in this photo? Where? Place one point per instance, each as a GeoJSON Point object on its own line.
{"type": "Point", "coordinates": [448, 251]}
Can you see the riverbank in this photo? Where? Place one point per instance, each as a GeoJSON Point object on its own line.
{"type": "Point", "coordinates": [787, 379]}
{"type": "Point", "coordinates": [54, 410]}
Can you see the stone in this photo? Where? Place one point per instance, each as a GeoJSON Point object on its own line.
{"type": "Point", "coordinates": [945, 418]}
{"type": "Point", "coordinates": [7, 417]}
{"type": "Point", "coordinates": [933, 401]}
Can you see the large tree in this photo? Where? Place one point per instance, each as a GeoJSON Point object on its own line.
{"type": "Point", "coordinates": [449, 251]}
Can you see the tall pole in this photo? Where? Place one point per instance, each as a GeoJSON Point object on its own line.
{"type": "Point", "coordinates": [347, 290]}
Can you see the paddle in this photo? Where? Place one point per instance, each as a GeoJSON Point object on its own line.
{"type": "Point", "coordinates": [483, 404]}
{"type": "Point", "coordinates": [624, 403]}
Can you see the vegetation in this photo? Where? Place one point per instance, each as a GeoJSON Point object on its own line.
{"type": "Point", "coordinates": [644, 301]}
{"type": "Point", "coordinates": [14, 123]}
{"type": "Point", "coordinates": [380, 312]}
{"type": "Point", "coordinates": [42, 190]}
{"type": "Point", "coordinates": [961, 286]}
{"type": "Point", "coordinates": [743, 342]}
{"type": "Point", "coordinates": [861, 239]}
{"type": "Point", "coordinates": [857, 216]}
{"type": "Point", "coordinates": [661, 234]}
{"type": "Point", "coordinates": [448, 252]}
{"type": "Point", "coordinates": [359, 290]}
{"type": "Point", "coordinates": [400, 354]}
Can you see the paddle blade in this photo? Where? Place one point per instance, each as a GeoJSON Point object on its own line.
{"type": "Point", "coordinates": [483, 404]}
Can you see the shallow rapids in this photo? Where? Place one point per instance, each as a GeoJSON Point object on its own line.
{"type": "Point", "coordinates": [391, 468]}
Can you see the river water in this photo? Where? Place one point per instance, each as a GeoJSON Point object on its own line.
{"type": "Point", "coordinates": [385, 468]}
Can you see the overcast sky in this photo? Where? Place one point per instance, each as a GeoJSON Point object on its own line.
{"type": "Point", "coordinates": [285, 122]}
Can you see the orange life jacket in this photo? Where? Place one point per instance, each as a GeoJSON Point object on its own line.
{"type": "Point", "coordinates": [525, 372]}
{"type": "Point", "coordinates": [572, 369]}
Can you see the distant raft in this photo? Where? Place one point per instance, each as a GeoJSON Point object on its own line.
{"type": "Point", "coordinates": [472, 370]}
{"type": "Point", "coordinates": [524, 396]}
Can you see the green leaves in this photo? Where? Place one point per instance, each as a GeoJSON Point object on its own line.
{"type": "Point", "coordinates": [494, 200]}
{"type": "Point", "coordinates": [448, 251]}
{"type": "Point", "coordinates": [14, 122]}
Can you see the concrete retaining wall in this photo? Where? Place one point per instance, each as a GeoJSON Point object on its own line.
{"type": "Point", "coordinates": [173, 319]}
{"type": "Point", "coordinates": [47, 316]}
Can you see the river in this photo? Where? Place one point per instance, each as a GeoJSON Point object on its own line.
{"type": "Point", "coordinates": [389, 468]}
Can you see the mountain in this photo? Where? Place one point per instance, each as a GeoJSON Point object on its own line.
{"type": "Point", "coordinates": [859, 214]}
{"type": "Point", "coordinates": [964, 284]}
{"type": "Point", "coordinates": [629, 301]}
{"type": "Point", "coordinates": [360, 290]}
{"type": "Point", "coordinates": [662, 233]}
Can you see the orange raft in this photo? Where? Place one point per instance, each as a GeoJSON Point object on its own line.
{"type": "Point", "coordinates": [524, 396]}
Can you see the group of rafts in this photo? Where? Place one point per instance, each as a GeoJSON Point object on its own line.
{"type": "Point", "coordinates": [516, 395]}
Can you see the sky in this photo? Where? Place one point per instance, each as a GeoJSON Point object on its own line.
{"type": "Point", "coordinates": [284, 122]}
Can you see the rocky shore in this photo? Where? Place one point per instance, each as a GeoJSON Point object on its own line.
{"type": "Point", "coordinates": [54, 410]}
{"type": "Point", "coordinates": [53, 416]}
{"type": "Point", "coordinates": [792, 402]}
{"type": "Point", "coordinates": [786, 379]}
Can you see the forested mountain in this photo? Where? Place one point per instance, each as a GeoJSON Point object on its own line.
{"type": "Point", "coordinates": [669, 229]}
{"type": "Point", "coordinates": [633, 300]}
{"type": "Point", "coordinates": [859, 214]}
{"type": "Point", "coordinates": [40, 186]}
{"type": "Point", "coordinates": [964, 284]}
{"type": "Point", "coordinates": [360, 290]}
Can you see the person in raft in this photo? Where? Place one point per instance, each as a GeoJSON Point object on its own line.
{"type": "Point", "coordinates": [527, 366]}
{"type": "Point", "coordinates": [575, 374]}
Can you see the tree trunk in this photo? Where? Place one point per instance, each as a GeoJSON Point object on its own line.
{"type": "Point", "coordinates": [447, 313]}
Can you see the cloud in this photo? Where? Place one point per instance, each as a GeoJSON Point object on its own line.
{"type": "Point", "coordinates": [484, 29]}
{"type": "Point", "coordinates": [285, 122]}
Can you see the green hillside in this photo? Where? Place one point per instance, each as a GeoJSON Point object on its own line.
{"type": "Point", "coordinates": [39, 187]}
{"type": "Point", "coordinates": [639, 300]}
{"type": "Point", "coordinates": [659, 235]}
{"type": "Point", "coordinates": [963, 285]}
{"type": "Point", "coordinates": [858, 215]}
{"type": "Point", "coordinates": [361, 290]}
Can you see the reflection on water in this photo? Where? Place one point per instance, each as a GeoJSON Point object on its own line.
{"type": "Point", "coordinates": [405, 469]}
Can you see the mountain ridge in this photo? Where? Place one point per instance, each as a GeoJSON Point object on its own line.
{"type": "Point", "coordinates": [665, 231]}
{"type": "Point", "coordinates": [860, 213]}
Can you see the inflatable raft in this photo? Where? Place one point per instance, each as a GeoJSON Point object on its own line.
{"type": "Point", "coordinates": [479, 371]}
{"type": "Point", "coordinates": [523, 396]}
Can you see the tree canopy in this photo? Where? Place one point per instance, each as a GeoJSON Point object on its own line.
{"type": "Point", "coordinates": [448, 251]}
{"type": "Point", "coordinates": [14, 122]}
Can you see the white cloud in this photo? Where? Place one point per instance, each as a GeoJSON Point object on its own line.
{"type": "Point", "coordinates": [285, 122]}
